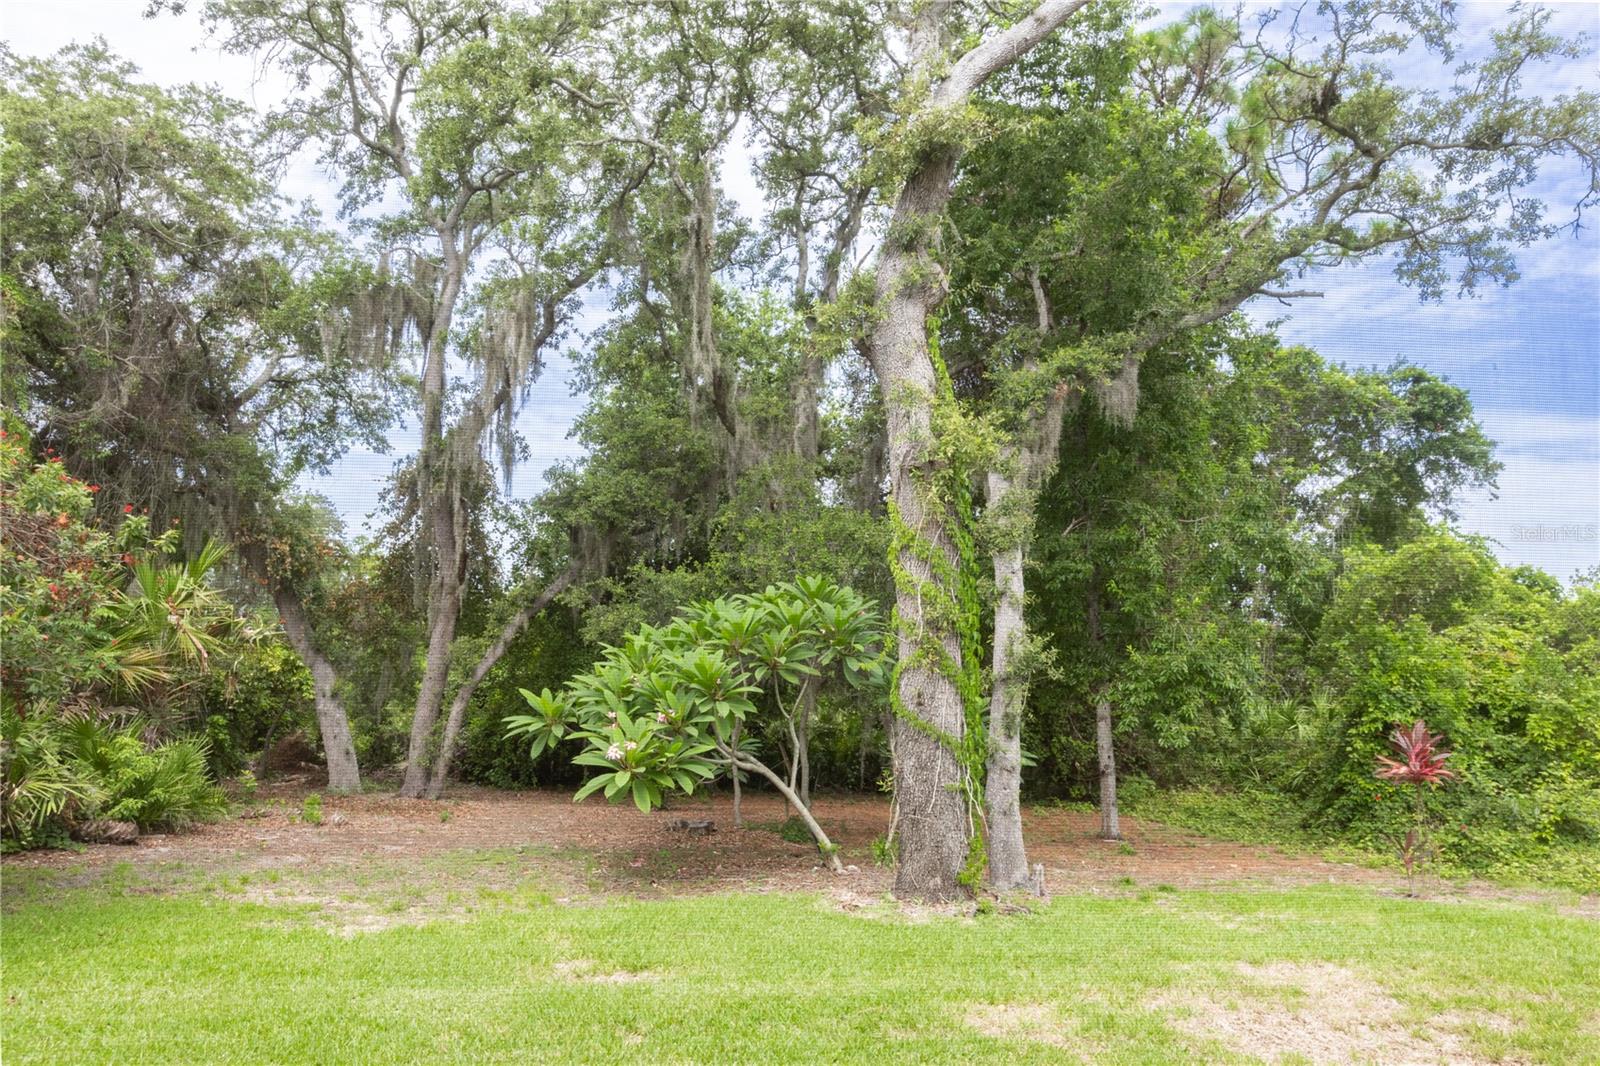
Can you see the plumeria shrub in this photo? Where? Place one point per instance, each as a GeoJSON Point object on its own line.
{"type": "Point", "coordinates": [672, 707]}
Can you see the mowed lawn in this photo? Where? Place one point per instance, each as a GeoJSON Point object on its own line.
{"type": "Point", "coordinates": [117, 971]}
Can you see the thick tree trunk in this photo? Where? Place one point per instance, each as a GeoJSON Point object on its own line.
{"type": "Point", "coordinates": [344, 775]}
{"type": "Point", "coordinates": [458, 703]}
{"type": "Point", "coordinates": [1106, 752]}
{"type": "Point", "coordinates": [1008, 859]}
{"type": "Point", "coordinates": [930, 782]}
{"type": "Point", "coordinates": [807, 399]}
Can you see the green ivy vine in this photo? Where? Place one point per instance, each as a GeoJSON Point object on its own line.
{"type": "Point", "coordinates": [948, 488]}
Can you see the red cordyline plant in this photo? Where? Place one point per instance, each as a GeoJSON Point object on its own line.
{"type": "Point", "coordinates": [1420, 764]}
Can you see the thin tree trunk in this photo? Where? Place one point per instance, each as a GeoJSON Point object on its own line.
{"type": "Point", "coordinates": [1105, 751]}
{"type": "Point", "coordinates": [824, 845]}
{"type": "Point", "coordinates": [813, 368]}
{"type": "Point", "coordinates": [1109, 827]}
{"type": "Point", "coordinates": [439, 504]}
{"type": "Point", "coordinates": [808, 706]}
{"type": "Point", "coordinates": [444, 610]}
{"type": "Point", "coordinates": [344, 775]}
{"type": "Point", "coordinates": [862, 749]}
{"type": "Point", "coordinates": [458, 704]}
{"type": "Point", "coordinates": [1008, 858]}
{"type": "Point", "coordinates": [738, 799]}
{"type": "Point", "coordinates": [1011, 490]}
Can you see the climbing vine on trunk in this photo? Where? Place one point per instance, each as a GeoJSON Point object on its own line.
{"type": "Point", "coordinates": [961, 444]}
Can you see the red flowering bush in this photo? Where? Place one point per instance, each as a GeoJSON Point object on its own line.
{"type": "Point", "coordinates": [58, 571]}
{"type": "Point", "coordinates": [91, 616]}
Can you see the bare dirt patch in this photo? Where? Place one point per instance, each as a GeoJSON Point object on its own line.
{"type": "Point", "coordinates": [587, 971]}
{"type": "Point", "coordinates": [345, 914]}
{"type": "Point", "coordinates": [584, 849]}
{"type": "Point", "coordinates": [1318, 1013]}
{"type": "Point", "coordinates": [1034, 1023]}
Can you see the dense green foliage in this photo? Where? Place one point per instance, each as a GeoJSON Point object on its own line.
{"type": "Point", "coordinates": [100, 623]}
{"type": "Point", "coordinates": [1240, 550]}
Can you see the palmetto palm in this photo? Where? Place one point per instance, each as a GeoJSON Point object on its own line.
{"type": "Point", "coordinates": [171, 617]}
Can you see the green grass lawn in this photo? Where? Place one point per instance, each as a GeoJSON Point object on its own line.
{"type": "Point", "coordinates": [117, 971]}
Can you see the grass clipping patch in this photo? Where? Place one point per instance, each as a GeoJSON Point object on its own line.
{"type": "Point", "coordinates": [1318, 1013]}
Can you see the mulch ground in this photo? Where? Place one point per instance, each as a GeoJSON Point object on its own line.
{"type": "Point", "coordinates": [625, 850]}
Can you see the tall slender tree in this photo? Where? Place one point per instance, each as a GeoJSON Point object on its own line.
{"type": "Point", "coordinates": [445, 110]}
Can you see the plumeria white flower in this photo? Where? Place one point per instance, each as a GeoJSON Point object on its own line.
{"type": "Point", "coordinates": [613, 753]}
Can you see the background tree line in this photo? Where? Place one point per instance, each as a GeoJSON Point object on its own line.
{"type": "Point", "coordinates": [978, 357]}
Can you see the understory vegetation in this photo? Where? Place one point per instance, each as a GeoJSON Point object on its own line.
{"type": "Point", "coordinates": [924, 447]}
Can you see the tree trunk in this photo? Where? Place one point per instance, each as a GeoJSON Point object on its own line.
{"type": "Point", "coordinates": [824, 845]}
{"type": "Point", "coordinates": [1109, 827]}
{"type": "Point", "coordinates": [444, 609]}
{"type": "Point", "coordinates": [344, 775]}
{"type": "Point", "coordinates": [1011, 506]}
{"type": "Point", "coordinates": [807, 399]}
{"type": "Point", "coordinates": [439, 505]}
{"type": "Point", "coordinates": [930, 782]}
{"type": "Point", "coordinates": [863, 749]}
{"type": "Point", "coordinates": [733, 772]}
{"type": "Point", "coordinates": [458, 704]}
{"type": "Point", "coordinates": [808, 706]}
{"type": "Point", "coordinates": [1008, 859]}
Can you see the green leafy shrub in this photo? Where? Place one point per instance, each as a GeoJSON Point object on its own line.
{"type": "Point", "coordinates": [674, 706]}
{"type": "Point", "coordinates": [41, 783]}
{"type": "Point", "coordinates": [164, 787]}
{"type": "Point", "coordinates": [1506, 668]}
{"type": "Point", "coordinates": [311, 809]}
{"type": "Point", "coordinates": [264, 695]}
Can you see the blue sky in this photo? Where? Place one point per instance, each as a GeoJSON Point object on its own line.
{"type": "Point", "coordinates": [1529, 355]}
